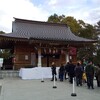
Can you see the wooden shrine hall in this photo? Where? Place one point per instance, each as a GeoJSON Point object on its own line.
{"type": "Point", "coordinates": [36, 43]}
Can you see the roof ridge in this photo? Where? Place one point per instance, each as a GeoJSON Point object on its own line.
{"type": "Point", "coordinates": [38, 22]}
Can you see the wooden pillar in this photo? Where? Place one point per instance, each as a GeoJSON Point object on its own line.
{"type": "Point", "coordinates": [39, 58]}
{"type": "Point", "coordinates": [47, 60]}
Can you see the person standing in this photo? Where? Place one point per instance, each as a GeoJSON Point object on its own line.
{"type": "Point", "coordinates": [61, 72]}
{"type": "Point", "coordinates": [84, 63]}
{"type": "Point", "coordinates": [71, 71]}
{"type": "Point", "coordinates": [90, 74]}
{"type": "Point", "coordinates": [54, 73]}
{"type": "Point", "coordinates": [78, 74]}
{"type": "Point", "coordinates": [97, 75]}
{"type": "Point", "coordinates": [66, 70]}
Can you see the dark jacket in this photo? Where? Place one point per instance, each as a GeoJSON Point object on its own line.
{"type": "Point", "coordinates": [53, 68]}
{"type": "Point", "coordinates": [61, 70]}
{"type": "Point", "coordinates": [78, 71]}
{"type": "Point", "coordinates": [89, 70]}
{"type": "Point", "coordinates": [70, 69]}
{"type": "Point", "coordinates": [98, 74]}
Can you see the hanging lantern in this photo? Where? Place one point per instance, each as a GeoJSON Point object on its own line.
{"type": "Point", "coordinates": [50, 51]}
{"type": "Point", "coordinates": [14, 60]}
{"type": "Point", "coordinates": [45, 51]}
{"type": "Point", "coordinates": [59, 51]}
{"type": "Point", "coordinates": [62, 51]}
{"type": "Point", "coordinates": [54, 51]}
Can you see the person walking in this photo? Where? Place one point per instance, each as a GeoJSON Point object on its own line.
{"type": "Point", "coordinates": [90, 74]}
{"type": "Point", "coordinates": [54, 73]}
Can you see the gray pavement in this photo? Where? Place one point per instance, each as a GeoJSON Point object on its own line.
{"type": "Point", "coordinates": [18, 89]}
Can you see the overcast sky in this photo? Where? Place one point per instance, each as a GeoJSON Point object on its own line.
{"type": "Point", "coordinates": [40, 10]}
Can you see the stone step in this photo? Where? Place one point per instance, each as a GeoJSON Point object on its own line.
{"type": "Point", "coordinates": [9, 73]}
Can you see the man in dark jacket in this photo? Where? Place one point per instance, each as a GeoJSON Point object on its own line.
{"type": "Point", "coordinates": [71, 71]}
{"type": "Point", "coordinates": [78, 74]}
{"type": "Point", "coordinates": [61, 72]}
{"type": "Point", "coordinates": [97, 75]}
{"type": "Point", "coordinates": [53, 69]}
{"type": "Point", "coordinates": [66, 70]}
{"type": "Point", "coordinates": [90, 74]}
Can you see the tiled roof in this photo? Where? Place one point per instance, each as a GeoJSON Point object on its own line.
{"type": "Point", "coordinates": [36, 30]}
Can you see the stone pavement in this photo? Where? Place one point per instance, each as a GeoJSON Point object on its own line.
{"type": "Point", "coordinates": [18, 89]}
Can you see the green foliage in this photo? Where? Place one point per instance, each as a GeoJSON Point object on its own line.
{"type": "Point", "coordinates": [98, 28]}
{"type": "Point", "coordinates": [1, 32]}
{"type": "Point", "coordinates": [5, 53]}
{"type": "Point", "coordinates": [86, 52]}
{"type": "Point", "coordinates": [54, 18]}
{"type": "Point", "coordinates": [87, 32]}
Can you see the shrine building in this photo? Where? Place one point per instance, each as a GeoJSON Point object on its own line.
{"type": "Point", "coordinates": [38, 44]}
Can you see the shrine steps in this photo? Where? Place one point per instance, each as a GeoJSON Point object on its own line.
{"type": "Point", "coordinates": [9, 73]}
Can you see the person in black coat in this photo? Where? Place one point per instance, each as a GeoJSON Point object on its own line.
{"type": "Point", "coordinates": [66, 70]}
{"type": "Point", "coordinates": [71, 71]}
{"type": "Point", "coordinates": [90, 74]}
{"type": "Point", "coordinates": [54, 73]}
{"type": "Point", "coordinates": [78, 74]}
{"type": "Point", "coordinates": [97, 75]}
{"type": "Point", "coordinates": [61, 72]}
